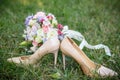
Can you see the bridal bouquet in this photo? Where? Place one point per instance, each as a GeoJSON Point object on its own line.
{"type": "Point", "coordinates": [39, 28]}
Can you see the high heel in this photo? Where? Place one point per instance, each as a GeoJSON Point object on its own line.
{"type": "Point", "coordinates": [70, 48]}
{"type": "Point", "coordinates": [50, 46]}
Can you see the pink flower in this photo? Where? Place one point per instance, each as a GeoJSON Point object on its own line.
{"type": "Point", "coordinates": [42, 20]}
{"type": "Point", "coordinates": [39, 14]}
{"type": "Point", "coordinates": [34, 43]}
{"type": "Point", "coordinates": [50, 17]}
{"type": "Point", "coordinates": [59, 32]}
{"type": "Point", "coordinates": [60, 26]}
{"type": "Point", "coordinates": [45, 29]}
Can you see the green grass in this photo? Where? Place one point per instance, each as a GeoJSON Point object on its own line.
{"type": "Point", "coordinates": [97, 20]}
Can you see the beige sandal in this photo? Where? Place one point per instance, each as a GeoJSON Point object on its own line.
{"type": "Point", "coordinates": [70, 48]}
{"type": "Point", "coordinates": [50, 46]}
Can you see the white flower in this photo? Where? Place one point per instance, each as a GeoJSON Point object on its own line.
{"type": "Point", "coordinates": [65, 28]}
{"type": "Point", "coordinates": [52, 33]}
{"type": "Point", "coordinates": [46, 23]}
{"type": "Point", "coordinates": [32, 22]}
{"type": "Point", "coordinates": [39, 14]}
{"type": "Point", "coordinates": [38, 39]}
{"type": "Point", "coordinates": [29, 37]}
{"type": "Point", "coordinates": [32, 33]}
{"type": "Point", "coordinates": [34, 29]}
{"type": "Point", "coordinates": [28, 29]}
{"type": "Point", "coordinates": [54, 22]}
{"type": "Point", "coordinates": [37, 25]}
{"type": "Point", "coordinates": [40, 33]}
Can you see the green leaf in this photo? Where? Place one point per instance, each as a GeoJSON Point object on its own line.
{"type": "Point", "coordinates": [25, 43]}
{"type": "Point", "coordinates": [56, 75]}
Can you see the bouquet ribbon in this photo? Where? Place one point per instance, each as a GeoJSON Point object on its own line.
{"type": "Point", "coordinates": [78, 36]}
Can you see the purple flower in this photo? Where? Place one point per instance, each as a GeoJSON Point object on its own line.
{"type": "Point", "coordinates": [44, 40]}
{"type": "Point", "coordinates": [28, 19]}
{"type": "Point", "coordinates": [61, 37]}
{"type": "Point", "coordinates": [40, 19]}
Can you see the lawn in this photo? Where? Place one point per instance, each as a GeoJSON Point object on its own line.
{"type": "Point", "coordinates": [97, 20]}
